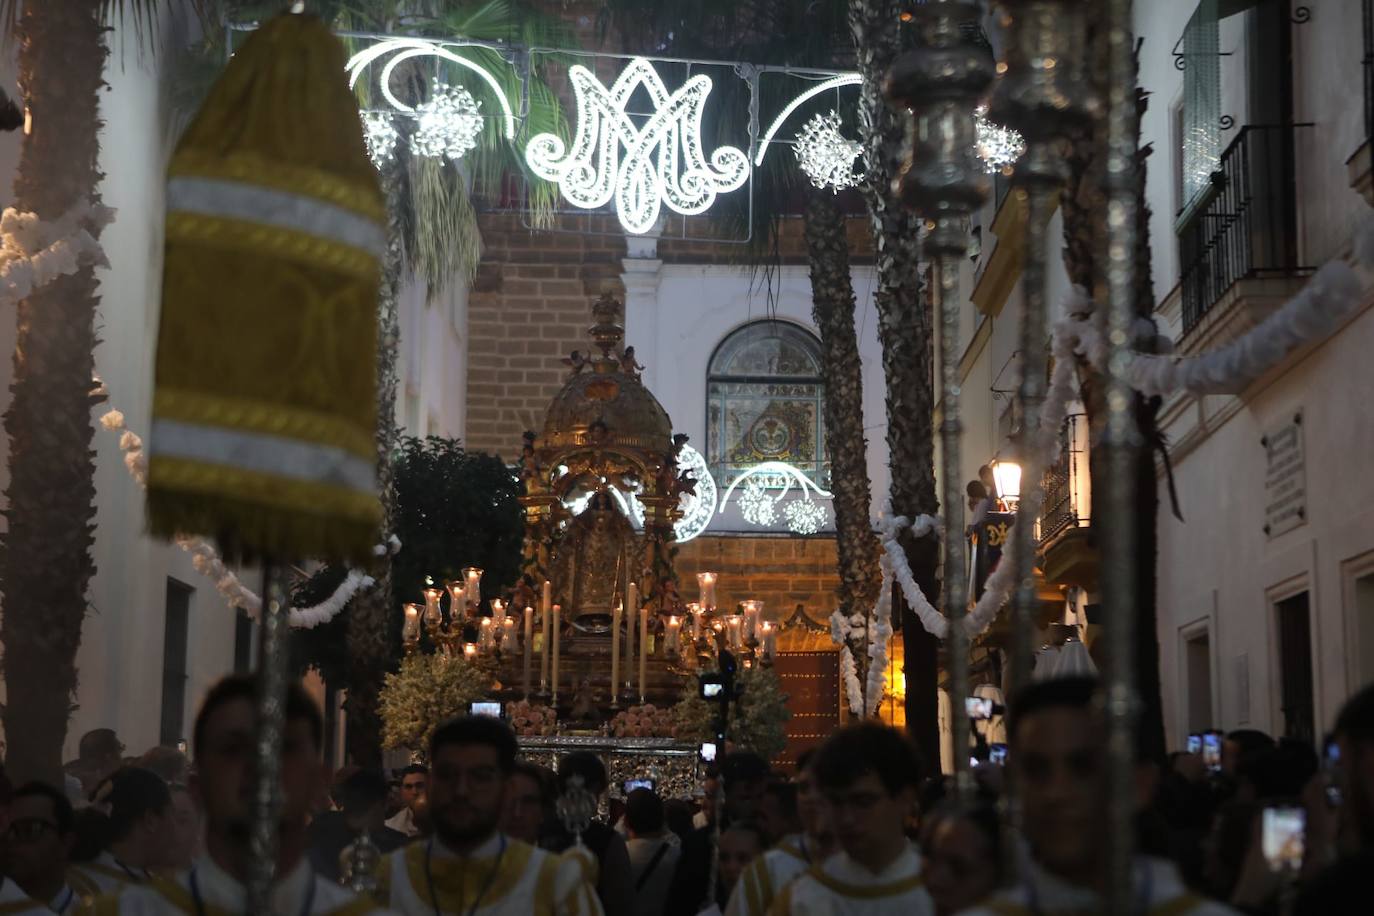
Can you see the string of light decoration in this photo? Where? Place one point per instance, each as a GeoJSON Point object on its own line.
{"type": "Point", "coordinates": [644, 168]}
{"type": "Point", "coordinates": [758, 505]}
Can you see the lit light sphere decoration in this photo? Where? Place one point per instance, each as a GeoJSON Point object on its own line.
{"type": "Point", "coordinates": [804, 516]}
{"type": "Point", "coordinates": [998, 146]}
{"type": "Point", "coordinates": [756, 505]}
{"type": "Point", "coordinates": [643, 169]}
{"type": "Point", "coordinates": [448, 123]}
{"type": "Point", "coordinates": [826, 155]}
{"type": "Point", "coordinates": [381, 136]}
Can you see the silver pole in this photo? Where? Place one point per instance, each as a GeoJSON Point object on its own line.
{"type": "Point", "coordinates": [272, 676]}
{"type": "Point", "coordinates": [1120, 444]}
{"type": "Point", "coordinates": [944, 181]}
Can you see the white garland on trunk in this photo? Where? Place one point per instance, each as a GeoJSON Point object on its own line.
{"type": "Point", "coordinates": [207, 561]}
{"type": "Point", "coordinates": [34, 252]}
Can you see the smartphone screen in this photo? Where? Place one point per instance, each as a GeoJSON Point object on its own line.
{"type": "Point", "coordinates": [708, 751]}
{"type": "Point", "coordinates": [1331, 766]}
{"type": "Point", "coordinates": [978, 707]}
{"type": "Point", "coordinates": [1211, 750]}
{"type": "Point", "coordinates": [632, 784]}
{"type": "Point", "coordinates": [997, 754]}
{"type": "Point", "coordinates": [1282, 841]}
{"type": "Point", "coordinates": [1195, 743]}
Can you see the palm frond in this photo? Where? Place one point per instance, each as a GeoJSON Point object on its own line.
{"type": "Point", "coordinates": [444, 243]}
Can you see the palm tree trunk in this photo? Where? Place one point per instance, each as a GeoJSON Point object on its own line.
{"type": "Point", "coordinates": [904, 327]}
{"type": "Point", "coordinates": [832, 307]}
{"type": "Point", "coordinates": [46, 565]}
{"type": "Point", "coordinates": [372, 619]}
{"type": "Point", "coordinates": [1084, 206]}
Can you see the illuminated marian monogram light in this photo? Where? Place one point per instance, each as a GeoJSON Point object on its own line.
{"type": "Point", "coordinates": [642, 168]}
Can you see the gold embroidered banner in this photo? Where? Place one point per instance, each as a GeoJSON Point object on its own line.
{"type": "Point", "coordinates": [264, 411]}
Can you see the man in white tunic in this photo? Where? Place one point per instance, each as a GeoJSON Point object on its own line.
{"type": "Point", "coordinates": [142, 831]}
{"type": "Point", "coordinates": [468, 866]}
{"type": "Point", "coordinates": [793, 855]}
{"type": "Point", "coordinates": [868, 774]}
{"type": "Point", "coordinates": [224, 739]}
{"type": "Point", "coordinates": [1057, 756]}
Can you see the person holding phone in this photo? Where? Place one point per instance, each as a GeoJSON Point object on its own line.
{"type": "Point", "coordinates": [1332, 887]}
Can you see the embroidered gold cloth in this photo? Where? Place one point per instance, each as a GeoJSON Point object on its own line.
{"type": "Point", "coordinates": [264, 408]}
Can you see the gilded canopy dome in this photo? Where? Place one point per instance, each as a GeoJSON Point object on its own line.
{"type": "Point", "coordinates": [604, 404]}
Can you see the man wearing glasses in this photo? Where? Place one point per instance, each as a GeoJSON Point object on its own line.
{"type": "Point", "coordinates": [868, 775]}
{"type": "Point", "coordinates": [414, 786]}
{"type": "Point", "coordinates": [37, 844]}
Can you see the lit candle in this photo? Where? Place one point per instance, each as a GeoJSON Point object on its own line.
{"type": "Point", "coordinates": [470, 650]}
{"type": "Point", "coordinates": [432, 613]}
{"type": "Point", "coordinates": [485, 635]}
{"type": "Point", "coordinates": [631, 609]}
{"type": "Point", "coordinates": [507, 634]}
{"type": "Point", "coordinates": [671, 639]}
{"type": "Point", "coordinates": [457, 604]}
{"type": "Point", "coordinates": [706, 583]}
{"type": "Point", "coordinates": [694, 610]}
{"type": "Point", "coordinates": [556, 640]}
{"type": "Point", "coordinates": [770, 640]}
{"type": "Point", "coordinates": [498, 610]}
{"type": "Point", "coordinates": [752, 611]}
{"type": "Point", "coordinates": [412, 624]}
{"type": "Point", "coordinates": [643, 650]}
{"type": "Point", "coordinates": [732, 624]}
{"type": "Point", "coordinates": [615, 650]}
{"type": "Point", "coordinates": [472, 576]}
{"type": "Point", "coordinates": [529, 645]}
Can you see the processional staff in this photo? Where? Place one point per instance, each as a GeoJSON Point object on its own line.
{"type": "Point", "coordinates": [265, 414]}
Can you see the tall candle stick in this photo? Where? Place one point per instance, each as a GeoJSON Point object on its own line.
{"type": "Point", "coordinates": [412, 625]}
{"type": "Point", "coordinates": [556, 640]}
{"type": "Point", "coordinates": [643, 650]}
{"type": "Point", "coordinates": [770, 640]}
{"type": "Point", "coordinates": [670, 641]}
{"type": "Point", "coordinates": [485, 633]}
{"type": "Point", "coordinates": [615, 651]}
{"type": "Point", "coordinates": [752, 612]}
{"type": "Point", "coordinates": [544, 611]}
{"type": "Point", "coordinates": [498, 611]}
{"type": "Point", "coordinates": [529, 646]}
{"type": "Point", "coordinates": [631, 620]}
{"type": "Point", "coordinates": [507, 633]}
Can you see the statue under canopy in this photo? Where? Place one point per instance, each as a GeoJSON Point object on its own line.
{"type": "Point", "coordinates": [605, 437]}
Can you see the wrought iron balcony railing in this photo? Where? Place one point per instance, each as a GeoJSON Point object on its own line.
{"type": "Point", "coordinates": [1068, 485]}
{"type": "Point", "coordinates": [1245, 224]}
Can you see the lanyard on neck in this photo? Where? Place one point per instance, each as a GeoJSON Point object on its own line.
{"type": "Point", "coordinates": [486, 885]}
{"type": "Point", "coordinates": [200, 902]}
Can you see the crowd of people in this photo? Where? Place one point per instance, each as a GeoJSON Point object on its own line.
{"type": "Point", "coordinates": [1263, 827]}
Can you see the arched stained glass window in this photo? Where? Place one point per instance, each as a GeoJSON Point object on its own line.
{"type": "Point", "coordinates": [763, 402]}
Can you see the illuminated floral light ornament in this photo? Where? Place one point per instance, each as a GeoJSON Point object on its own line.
{"type": "Point", "coordinates": [381, 136]}
{"type": "Point", "coordinates": [756, 505]}
{"type": "Point", "coordinates": [826, 155]}
{"type": "Point", "coordinates": [804, 516]}
{"type": "Point", "coordinates": [448, 123]}
{"type": "Point", "coordinates": [644, 168]}
{"type": "Point", "coordinates": [999, 147]}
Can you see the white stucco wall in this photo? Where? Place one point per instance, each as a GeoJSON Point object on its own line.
{"type": "Point", "coordinates": [676, 314]}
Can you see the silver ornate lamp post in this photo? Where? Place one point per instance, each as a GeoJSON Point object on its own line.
{"type": "Point", "coordinates": [944, 181]}
{"type": "Point", "coordinates": [1043, 92]}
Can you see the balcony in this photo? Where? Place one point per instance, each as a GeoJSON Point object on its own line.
{"type": "Point", "coordinates": [1238, 239]}
{"type": "Point", "coordinates": [1067, 556]}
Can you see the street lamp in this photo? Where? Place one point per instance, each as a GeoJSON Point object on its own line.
{"type": "Point", "coordinates": [1007, 475]}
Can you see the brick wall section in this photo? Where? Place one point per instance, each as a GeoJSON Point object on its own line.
{"type": "Point", "coordinates": [779, 571]}
{"type": "Point", "coordinates": [530, 307]}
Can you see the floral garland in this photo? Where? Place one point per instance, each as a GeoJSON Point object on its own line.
{"type": "Point", "coordinates": [205, 559]}
{"type": "Point", "coordinates": [33, 253]}
{"type": "Point", "coordinates": [647, 721]}
{"type": "Point", "coordinates": [531, 719]}
{"type": "Point", "coordinates": [425, 691]}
